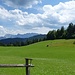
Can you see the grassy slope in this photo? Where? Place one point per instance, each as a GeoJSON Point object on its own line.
{"type": "Point", "coordinates": [57, 59]}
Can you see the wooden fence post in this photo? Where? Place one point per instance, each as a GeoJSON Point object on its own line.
{"type": "Point", "coordinates": [28, 62]}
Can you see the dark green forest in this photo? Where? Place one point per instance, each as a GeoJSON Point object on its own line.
{"type": "Point", "coordinates": [22, 41]}
{"type": "Point", "coordinates": [68, 33]}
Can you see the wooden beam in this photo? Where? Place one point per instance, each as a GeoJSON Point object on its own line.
{"type": "Point", "coordinates": [15, 65]}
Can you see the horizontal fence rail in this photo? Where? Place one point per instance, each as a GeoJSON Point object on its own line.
{"type": "Point", "coordinates": [15, 65]}
{"type": "Point", "coordinates": [27, 65]}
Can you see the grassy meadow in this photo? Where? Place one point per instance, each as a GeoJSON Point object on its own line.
{"type": "Point", "coordinates": [56, 59]}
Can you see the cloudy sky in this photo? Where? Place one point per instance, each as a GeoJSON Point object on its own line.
{"type": "Point", "coordinates": [35, 16]}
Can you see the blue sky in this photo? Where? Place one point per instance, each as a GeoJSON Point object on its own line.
{"type": "Point", "coordinates": [35, 16]}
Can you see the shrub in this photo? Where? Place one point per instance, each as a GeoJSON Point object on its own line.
{"type": "Point", "coordinates": [74, 42]}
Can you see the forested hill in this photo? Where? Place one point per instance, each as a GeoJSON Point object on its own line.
{"type": "Point", "coordinates": [22, 41]}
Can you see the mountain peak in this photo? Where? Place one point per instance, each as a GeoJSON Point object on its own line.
{"type": "Point", "coordinates": [27, 35]}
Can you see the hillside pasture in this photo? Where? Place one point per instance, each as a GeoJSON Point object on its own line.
{"type": "Point", "coordinates": [56, 59]}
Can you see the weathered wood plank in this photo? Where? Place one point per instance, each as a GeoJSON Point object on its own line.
{"type": "Point", "coordinates": [15, 65]}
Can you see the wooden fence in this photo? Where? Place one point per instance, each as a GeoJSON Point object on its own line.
{"type": "Point", "coordinates": [27, 65]}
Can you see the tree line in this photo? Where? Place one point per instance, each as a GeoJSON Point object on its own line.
{"type": "Point", "coordinates": [21, 42]}
{"type": "Point", "coordinates": [62, 33]}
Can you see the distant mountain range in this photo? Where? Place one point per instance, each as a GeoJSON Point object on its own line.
{"type": "Point", "coordinates": [27, 35]}
{"type": "Point", "coordinates": [7, 39]}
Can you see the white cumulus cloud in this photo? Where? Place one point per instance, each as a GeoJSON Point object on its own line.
{"type": "Point", "coordinates": [52, 17]}
{"type": "Point", "coordinates": [3, 30]}
{"type": "Point", "coordinates": [63, 13]}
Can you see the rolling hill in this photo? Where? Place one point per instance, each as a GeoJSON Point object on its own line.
{"type": "Point", "coordinates": [57, 59]}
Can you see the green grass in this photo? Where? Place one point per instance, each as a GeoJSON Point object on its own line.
{"type": "Point", "coordinates": [57, 59]}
